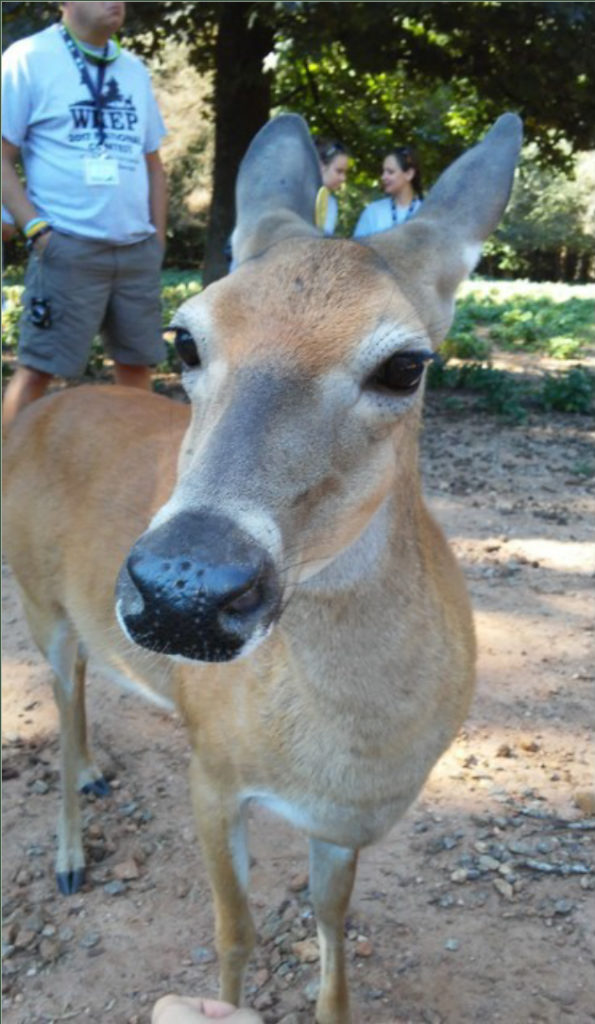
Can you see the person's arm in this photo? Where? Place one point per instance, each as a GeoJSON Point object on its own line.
{"type": "Point", "coordinates": [14, 197]}
{"type": "Point", "coordinates": [157, 194]}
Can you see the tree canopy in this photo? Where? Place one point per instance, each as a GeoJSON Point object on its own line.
{"type": "Point", "coordinates": [429, 72]}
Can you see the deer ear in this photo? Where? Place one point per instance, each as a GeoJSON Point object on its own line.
{"type": "Point", "coordinates": [441, 244]}
{"type": "Point", "coordinates": [276, 189]}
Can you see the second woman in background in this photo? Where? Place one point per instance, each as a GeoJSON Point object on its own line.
{"type": "Point", "coordinates": [334, 164]}
{"type": "Point", "coordinates": [401, 181]}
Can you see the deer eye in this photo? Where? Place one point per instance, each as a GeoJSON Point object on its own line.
{"type": "Point", "coordinates": [401, 373]}
{"type": "Point", "coordinates": [184, 344]}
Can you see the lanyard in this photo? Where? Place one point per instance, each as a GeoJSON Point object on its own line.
{"type": "Point", "coordinates": [95, 88]}
{"type": "Point", "coordinates": [410, 211]}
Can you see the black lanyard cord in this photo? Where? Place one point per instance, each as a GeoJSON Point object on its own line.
{"type": "Point", "coordinates": [95, 88]}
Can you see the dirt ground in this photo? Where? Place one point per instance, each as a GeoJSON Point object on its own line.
{"type": "Point", "coordinates": [478, 907]}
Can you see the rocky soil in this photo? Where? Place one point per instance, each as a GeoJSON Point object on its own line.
{"type": "Point", "coordinates": [478, 907]}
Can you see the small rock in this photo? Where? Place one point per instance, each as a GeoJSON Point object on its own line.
{"type": "Point", "coordinates": [460, 875]}
{"type": "Point", "coordinates": [41, 787]}
{"type": "Point", "coordinates": [96, 852]}
{"type": "Point", "coordinates": [487, 863]}
{"type": "Point", "coordinates": [263, 1002]}
{"type": "Point", "coordinates": [363, 946]}
{"type": "Point", "coordinates": [9, 933]}
{"type": "Point", "coordinates": [95, 831]}
{"type": "Point", "coordinates": [24, 938]}
{"type": "Point", "coordinates": [126, 871]}
{"type": "Point", "coordinates": [115, 888]}
{"type": "Point", "coordinates": [66, 934]}
{"type": "Point", "coordinates": [90, 939]}
{"type": "Point", "coordinates": [261, 977]}
{"type": "Point", "coordinates": [299, 882]}
{"type": "Point", "coordinates": [505, 750]}
{"type": "Point", "coordinates": [563, 907]}
{"type": "Point", "coordinates": [585, 801]}
{"type": "Point", "coordinates": [127, 810]}
{"type": "Point", "coordinates": [24, 877]}
{"type": "Point", "coordinates": [202, 955]}
{"type": "Point", "coordinates": [504, 888]}
{"type": "Point", "coordinates": [311, 990]}
{"type": "Point", "coordinates": [306, 951]}
{"type": "Point", "coordinates": [49, 950]}
{"type": "Point", "coordinates": [452, 945]}
{"type": "Point", "coordinates": [531, 746]}
{"type": "Point", "coordinates": [35, 922]}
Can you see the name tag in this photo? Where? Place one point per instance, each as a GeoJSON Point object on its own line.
{"type": "Point", "coordinates": [101, 171]}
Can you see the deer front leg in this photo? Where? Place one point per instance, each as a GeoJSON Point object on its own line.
{"type": "Point", "coordinates": [77, 771]}
{"type": "Point", "coordinates": [222, 833]}
{"type": "Point", "coordinates": [332, 873]}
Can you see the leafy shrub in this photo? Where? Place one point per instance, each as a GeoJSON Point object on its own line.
{"type": "Point", "coordinates": [526, 316]}
{"type": "Point", "coordinates": [465, 345]}
{"type": "Point", "coordinates": [571, 391]}
{"type": "Point", "coordinates": [561, 347]}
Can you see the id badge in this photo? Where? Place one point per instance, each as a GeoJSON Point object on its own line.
{"type": "Point", "coordinates": [101, 171]}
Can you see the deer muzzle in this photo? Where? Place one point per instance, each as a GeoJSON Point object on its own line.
{"type": "Point", "coordinates": [198, 587]}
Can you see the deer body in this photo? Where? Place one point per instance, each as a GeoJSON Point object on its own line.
{"type": "Point", "coordinates": [283, 585]}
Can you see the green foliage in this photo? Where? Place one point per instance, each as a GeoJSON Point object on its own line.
{"type": "Point", "coordinates": [11, 315]}
{"type": "Point", "coordinates": [555, 320]}
{"type": "Point", "coordinates": [568, 392]}
{"type": "Point", "coordinates": [548, 231]}
{"type": "Point", "coordinates": [178, 286]}
{"type": "Point", "coordinates": [552, 320]}
{"type": "Point", "coordinates": [497, 391]}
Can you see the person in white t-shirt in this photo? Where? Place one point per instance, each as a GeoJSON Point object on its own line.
{"type": "Point", "coordinates": [79, 113]}
{"type": "Point", "coordinates": [334, 165]}
{"type": "Point", "coordinates": [402, 185]}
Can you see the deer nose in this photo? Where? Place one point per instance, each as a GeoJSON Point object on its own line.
{"type": "Point", "coordinates": [198, 587]}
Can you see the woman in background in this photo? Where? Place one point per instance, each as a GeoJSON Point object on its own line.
{"type": "Point", "coordinates": [334, 164]}
{"type": "Point", "coordinates": [401, 181]}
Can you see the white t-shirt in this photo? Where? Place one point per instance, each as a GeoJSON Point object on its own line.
{"type": "Point", "coordinates": [382, 215]}
{"type": "Point", "coordinates": [48, 112]}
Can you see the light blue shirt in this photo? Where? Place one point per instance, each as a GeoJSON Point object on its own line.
{"type": "Point", "coordinates": [382, 215]}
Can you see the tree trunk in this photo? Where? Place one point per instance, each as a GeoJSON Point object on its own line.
{"type": "Point", "coordinates": [242, 104]}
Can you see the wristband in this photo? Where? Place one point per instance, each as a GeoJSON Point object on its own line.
{"type": "Point", "coordinates": [43, 230]}
{"type": "Point", "coordinates": [30, 226]}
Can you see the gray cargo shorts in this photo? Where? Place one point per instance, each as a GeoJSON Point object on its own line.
{"type": "Point", "coordinates": [93, 288]}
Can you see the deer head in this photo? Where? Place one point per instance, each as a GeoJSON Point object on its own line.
{"type": "Point", "coordinates": [305, 371]}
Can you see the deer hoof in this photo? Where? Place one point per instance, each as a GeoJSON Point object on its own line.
{"type": "Point", "coordinates": [70, 882]}
{"type": "Point", "coordinates": [99, 787]}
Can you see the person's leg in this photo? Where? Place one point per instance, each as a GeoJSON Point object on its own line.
{"type": "Point", "coordinates": [71, 277]}
{"type": "Point", "coordinates": [133, 376]}
{"type": "Point", "coordinates": [25, 386]}
{"type": "Point", "coordinates": [132, 327]}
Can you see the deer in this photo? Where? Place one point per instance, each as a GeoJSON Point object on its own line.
{"type": "Point", "coordinates": [262, 558]}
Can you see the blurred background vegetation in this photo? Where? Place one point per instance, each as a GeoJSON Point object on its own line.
{"type": "Point", "coordinates": [373, 74]}
{"type": "Point", "coordinates": [370, 74]}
